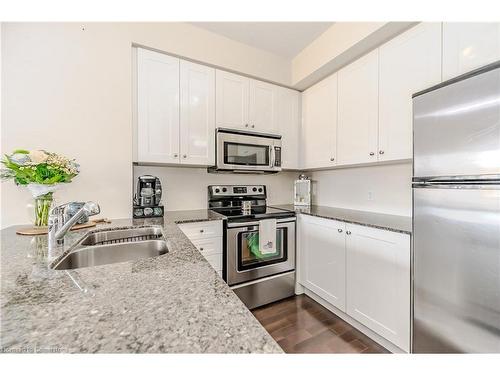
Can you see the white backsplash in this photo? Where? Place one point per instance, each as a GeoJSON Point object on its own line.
{"type": "Point", "coordinates": [186, 188]}
{"type": "Point", "coordinates": [380, 188]}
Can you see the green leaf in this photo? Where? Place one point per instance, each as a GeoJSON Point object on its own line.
{"type": "Point", "coordinates": [20, 152]}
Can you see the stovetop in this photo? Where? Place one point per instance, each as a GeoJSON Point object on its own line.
{"type": "Point", "coordinates": [237, 214]}
{"type": "Point", "coordinates": [228, 200]}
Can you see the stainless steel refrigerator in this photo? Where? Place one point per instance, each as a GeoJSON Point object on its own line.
{"type": "Point", "coordinates": [456, 215]}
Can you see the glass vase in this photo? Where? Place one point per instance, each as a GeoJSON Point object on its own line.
{"type": "Point", "coordinates": [43, 204]}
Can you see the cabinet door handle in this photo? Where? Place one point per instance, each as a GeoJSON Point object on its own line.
{"type": "Point", "coordinates": [201, 249]}
{"type": "Point", "coordinates": [201, 231]}
{"type": "Point", "coordinates": [253, 126]}
{"type": "Point", "coordinates": [340, 230]}
{"type": "Point", "coordinates": [176, 155]}
{"type": "Point", "coordinates": [332, 159]}
{"type": "Point", "coordinates": [381, 152]}
{"type": "Point", "coordinates": [184, 156]}
{"type": "Point", "coordinates": [372, 153]}
{"type": "Point", "coordinates": [246, 125]}
{"type": "Point", "coordinates": [348, 232]}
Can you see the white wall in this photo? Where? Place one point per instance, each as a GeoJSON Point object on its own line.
{"type": "Point", "coordinates": [67, 88]}
{"type": "Point", "coordinates": [381, 188]}
{"type": "Point", "coordinates": [186, 188]}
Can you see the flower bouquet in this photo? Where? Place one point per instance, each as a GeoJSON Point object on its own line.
{"type": "Point", "coordinates": [41, 172]}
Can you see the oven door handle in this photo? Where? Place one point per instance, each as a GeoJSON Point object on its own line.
{"type": "Point", "coordinates": [256, 223]}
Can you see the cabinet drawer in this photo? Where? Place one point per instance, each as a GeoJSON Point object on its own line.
{"type": "Point", "coordinates": [209, 246]}
{"type": "Point", "coordinates": [206, 229]}
{"type": "Point", "coordinates": [215, 261]}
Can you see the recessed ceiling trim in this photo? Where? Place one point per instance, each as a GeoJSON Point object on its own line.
{"type": "Point", "coordinates": [285, 39]}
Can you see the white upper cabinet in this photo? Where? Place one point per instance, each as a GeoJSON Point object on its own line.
{"type": "Point", "coordinates": [157, 107]}
{"type": "Point", "coordinates": [322, 261]}
{"type": "Point", "coordinates": [408, 63]}
{"type": "Point", "coordinates": [378, 281]}
{"type": "Point", "coordinates": [245, 103]}
{"type": "Point", "coordinates": [467, 46]}
{"type": "Point", "coordinates": [197, 120]}
{"type": "Point", "coordinates": [357, 128]}
{"type": "Point", "coordinates": [232, 99]}
{"type": "Point", "coordinates": [175, 110]}
{"type": "Point", "coordinates": [289, 127]}
{"type": "Point", "coordinates": [319, 124]}
{"type": "Point", "coordinates": [263, 107]}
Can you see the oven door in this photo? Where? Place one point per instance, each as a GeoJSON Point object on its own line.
{"type": "Point", "coordinates": [245, 265]}
{"type": "Point", "coordinates": [248, 152]}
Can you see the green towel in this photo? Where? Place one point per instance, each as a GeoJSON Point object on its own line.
{"type": "Point", "coordinates": [253, 245]}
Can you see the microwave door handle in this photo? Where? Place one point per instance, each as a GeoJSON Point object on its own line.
{"type": "Point", "coordinates": [273, 157]}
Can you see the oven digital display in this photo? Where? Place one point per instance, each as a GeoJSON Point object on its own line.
{"type": "Point", "coordinates": [239, 190]}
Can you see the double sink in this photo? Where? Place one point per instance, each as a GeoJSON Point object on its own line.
{"type": "Point", "coordinates": [114, 245]}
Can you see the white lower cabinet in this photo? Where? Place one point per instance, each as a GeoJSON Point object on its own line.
{"type": "Point", "coordinates": [362, 271]}
{"type": "Point", "coordinates": [207, 238]}
{"type": "Point", "coordinates": [378, 281]}
{"type": "Point", "coordinates": [322, 246]}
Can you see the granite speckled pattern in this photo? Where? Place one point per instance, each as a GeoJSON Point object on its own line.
{"type": "Point", "coordinates": [173, 303]}
{"type": "Point", "coordinates": [394, 223]}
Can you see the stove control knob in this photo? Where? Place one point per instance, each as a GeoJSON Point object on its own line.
{"type": "Point", "coordinates": [254, 189]}
{"type": "Point", "coordinates": [260, 190]}
{"type": "Point", "coordinates": [217, 190]}
{"type": "Point", "coordinates": [224, 190]}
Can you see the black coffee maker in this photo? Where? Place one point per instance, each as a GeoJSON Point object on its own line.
{"type": "Point", "coordinates": [147, 197]}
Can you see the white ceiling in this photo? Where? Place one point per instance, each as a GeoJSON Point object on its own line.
{"type": "Point", "coordinates": [286, 39]}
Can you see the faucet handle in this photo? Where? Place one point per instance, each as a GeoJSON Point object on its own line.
{"type": "Point", "coordinates": [56, 214]}
{"type": "Point", "coordinates": [91, 208]}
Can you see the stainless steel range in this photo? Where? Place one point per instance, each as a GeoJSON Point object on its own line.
{"type": "Point", "coordinates": [257, 277]}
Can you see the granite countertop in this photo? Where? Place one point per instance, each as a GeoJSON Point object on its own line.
{"type": "Point", "coordinates": [395, 223]}
{"type": "Point", "coordinates": [173, 303]}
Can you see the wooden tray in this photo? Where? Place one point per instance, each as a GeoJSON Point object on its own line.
{"type": "Point", "coordinates": [35, 231]}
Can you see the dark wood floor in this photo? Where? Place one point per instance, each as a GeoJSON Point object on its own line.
{"type": "Point", "coordinates": [301, 325]}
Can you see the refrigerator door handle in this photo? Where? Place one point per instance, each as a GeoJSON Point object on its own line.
{"type": "Point", "coordinates": [488, 178]}
{"type": "Point", "coordinates": [493, 185]}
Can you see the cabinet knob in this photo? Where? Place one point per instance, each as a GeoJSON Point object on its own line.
{"type": "Point", "coordinates": [176, 155]}
{"type": "Point", "coordinates": [340, 230]}
{"type": "Point", "coordinates": [332, 159]}
{"type": "Point", "coordinates": [201, 231]}
{"type": "Point", "coordinates": [184, 156]}
{"type": "Point", "coordinates": [381, 152]}
{"type": "Point", "coordinates": [348, 232]}
{"type": "Point", "coordinates": [253, 126]}
{"type": "Point", "coordinates": [246, 125]}
{"type": "Point", "coordinates": [201, 249]}
{"type": "Point", "coordinates": [372, 153]}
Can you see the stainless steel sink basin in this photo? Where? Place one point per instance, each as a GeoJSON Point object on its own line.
{"type": "Point", "coordinates": [113, 246]}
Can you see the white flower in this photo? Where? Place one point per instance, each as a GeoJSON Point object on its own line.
{"type": "Point", "coordinates": [38, 156]}
{"type": "Point", "coordinates": [19, 159]}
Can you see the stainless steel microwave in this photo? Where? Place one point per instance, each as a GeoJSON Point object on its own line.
{"type": "Point", "coordinates": [247, 152]}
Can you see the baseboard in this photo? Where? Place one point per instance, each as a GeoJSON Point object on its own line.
{"type": "Point", "coordinates": [360, 327]}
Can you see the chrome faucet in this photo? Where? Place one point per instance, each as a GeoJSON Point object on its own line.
{"type": "Point", "coordinates": [60, 223]}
